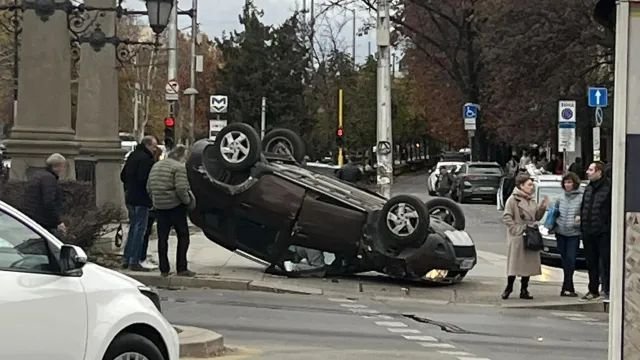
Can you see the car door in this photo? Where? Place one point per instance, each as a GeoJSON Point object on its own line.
{"type": "Point", "coordinates": [42, 314]}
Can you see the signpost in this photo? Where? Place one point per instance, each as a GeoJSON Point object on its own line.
{"type": "Point", "coordinates": [172, 90]}
{"type": "Point", "coordinates": [598, 98]}
{"type": "Point", "coordinates": [215, 126]}
{"type": "Point", "coordinates": [566, 128]}
{"type": "Point", "coordinates": [470, 115]}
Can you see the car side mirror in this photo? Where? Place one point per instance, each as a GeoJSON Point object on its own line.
{"type": "Point", "coordinates": [72, 259]}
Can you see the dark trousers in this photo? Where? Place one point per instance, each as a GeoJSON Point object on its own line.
{"type": "Point", "coordinates": [175, 218]}
{"type": "Point", "coordinates": [568, 248]}
{"type": "Point", "coordinates": [524, 283]}
{"type": "Point", "coordinates": [147, 234]}
{"type": "Point", "coordinates": [597, 248]}
{"type": "Point", "coordinates": [138, 216]}
{"type": "Point", "coordinates": [444, 192]}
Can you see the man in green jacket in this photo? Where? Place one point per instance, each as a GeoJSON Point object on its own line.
{"type": "Point", "coordinates": [169, 189]}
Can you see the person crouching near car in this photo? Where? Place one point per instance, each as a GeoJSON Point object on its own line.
{"type": "Point", "coordinates": [172, 199]}
{"type": "Point", "coordinates": [567, 230]}
{"type": "Point", "coordinates": [520, 211]}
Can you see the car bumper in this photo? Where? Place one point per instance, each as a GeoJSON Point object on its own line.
{"type": "Point", "coordinates": [550, 250]}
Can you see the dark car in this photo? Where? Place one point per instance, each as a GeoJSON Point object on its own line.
{"type": "Point", "coordinates": [267, 205]}
{"type": "Point", "coordinates": [477, 181]}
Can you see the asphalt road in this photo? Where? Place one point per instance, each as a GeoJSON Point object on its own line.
{"type": "Point", "coordinates": [279, 326]}
{"type": "Point", "coordinates": [483, 220]}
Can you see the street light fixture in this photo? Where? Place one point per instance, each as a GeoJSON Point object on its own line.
{"type": "Point", "coordinates": [159, 12]}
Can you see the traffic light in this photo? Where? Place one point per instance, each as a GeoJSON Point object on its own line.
{"type": "Point", "coordinates": [339, 136]}
{"type": "Point", "coordinates": [169, 124]}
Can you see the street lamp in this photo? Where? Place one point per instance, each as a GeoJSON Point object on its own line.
{"type": "Point", "coordinates": [159, 12]}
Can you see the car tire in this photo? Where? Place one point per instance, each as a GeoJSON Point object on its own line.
{"type": "Point", "coordinates": [284, 141]}
{"type": "Point", "coordinates": [454, 213]}
{"type": "Point", "coordinates": [132, 343]}
{"type": "Point", "coordinates": [391, 226]}
{"type": "Point", "coordinates": [246, 146]}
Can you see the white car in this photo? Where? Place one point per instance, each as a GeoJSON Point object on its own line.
{"type": "Point", "coordinates": [452, 166]}
{"type": "Point", "coordinates": [56, 306]}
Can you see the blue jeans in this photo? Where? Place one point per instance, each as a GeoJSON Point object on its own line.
{"type": "Point", "coordinates": [568, 248]}
{"type": "Point", "coordinates": [138, 217]}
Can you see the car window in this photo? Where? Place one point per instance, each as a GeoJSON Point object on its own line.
{"type": "Point", "coordinates": [22, 249]}
{"type": "Point", "coordinates": [485, 170]}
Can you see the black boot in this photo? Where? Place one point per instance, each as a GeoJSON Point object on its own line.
{"type": "Point", "coordinates": [524, 289]}
{"type": "Point", "coordinates": [509, 289]}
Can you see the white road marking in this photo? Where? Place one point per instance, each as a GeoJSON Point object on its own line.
{"type": "Point", "coordinates": [392, 324]}
{"type": "Point", "coordinates": [404, 331]}
{"type": "Point", "coordinates": [565, 314]}
{"type": "Point", "coordinates": [379, 317]}
{"type": "Point", "coordinates": [365, 311]}
{"type": "Point", "coordinates": [455, 353]}
{"type": "Point", "coordinates": [354, 306]}
{"type": "Point", "coordinates": [437, 345]}
{"type": "Point", "coordinates": [471, 358]}
{"type": "Point", "coordinates": [420, 338]}
{"type": "Point", "coordinates": [340, 300]}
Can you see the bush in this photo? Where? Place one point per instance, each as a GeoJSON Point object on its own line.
{"type": "Point", "coordinates": [85, 221]}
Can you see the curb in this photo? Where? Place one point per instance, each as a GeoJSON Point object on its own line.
{"type": "Point", "coordinates": [595, 307]}
{"type": "Point", "coordinates": [221, 284]}
{"type": "Point", "coordinates": [199, 343]}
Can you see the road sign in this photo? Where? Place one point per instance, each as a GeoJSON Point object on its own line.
{"type": "Point", "coordinates": [567, 136]}
{"type": "Point", "coordinates": [172, 90]}
{"type": "Point", "coordinates": [215, 126]}
{"type": "Point", "coordinates": [566, 111]}
{"type": "Point", "coordinates": [218, 104]}
{"type": "Point", "coordinates": [470, 115]}
{"type": "Point", "coordinates": [596, 143]}
{"type": "Point", "coordinates": [598, 97]}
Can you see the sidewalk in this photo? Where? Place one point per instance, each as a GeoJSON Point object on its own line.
{"type": "Point", "coordinates": [218, 268]}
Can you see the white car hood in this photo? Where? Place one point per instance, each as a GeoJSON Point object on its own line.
{"type": "Point", "coordinates": [108, 276]}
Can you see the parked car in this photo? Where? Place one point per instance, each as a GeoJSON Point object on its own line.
{"type": "Point", "coordinates": [477, 181]}
{"type": "Point", "coordinates": [56, 305]}
{"type": "Point", "coordinates": [551, 186]}
{"type": "Point", "coordinates": [262, 204]}
{"type": "Point", "coordinates": [432, 179]}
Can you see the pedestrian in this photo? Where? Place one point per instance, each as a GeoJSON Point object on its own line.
{"type": "Point", "coordinates": [445, 182]}
{"type": "Point", "coordinates": [350, 172]}
{"type": "Point", "coordinates": [567, 230]}
{"type": "Point", "coordinates": [512, 165]}
{"type": "Point", "coordinates": [524, 160]}
{"type": "Point", "coordinates": [595, 224]}
{"type": "Point", "coordinates": [520, 211]}
{"type": "Point", "coordinates": [577, 168]}
{"type": "Point", "coordinates": [134, 176]}
{"type": "Point", "coordinates": [172, 198]}
{"type": "Point", "coordinates": [43, 197]}
{"type": "Point", "coordinates": [146, 260]}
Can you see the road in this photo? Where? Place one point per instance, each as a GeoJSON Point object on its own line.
{"type": "Point", "coordinates": [483, 220]}
{"type": "Point", "coordinates": [279, 326]}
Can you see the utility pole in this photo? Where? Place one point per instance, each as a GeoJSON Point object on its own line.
{"type": "Point", "coordinates": [384, 147]}
{"type": "Point", "coordinates": [353, 45]}
{"type": "Point", "coordinates": [340, 131]}
{"type": "Point", "coordinates": [194, 43]}
{"type": "Point", "coordinates": [263, 117]}
{"type": "Point", "coordinates": [172, 52]}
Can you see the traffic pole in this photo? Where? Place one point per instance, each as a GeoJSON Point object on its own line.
{"type": "Point", "coordinates": [384, 147]}
{"type": "Point", "coordinates": [340, 114]}
{"type": "Point", "coordinates": [172, 47]}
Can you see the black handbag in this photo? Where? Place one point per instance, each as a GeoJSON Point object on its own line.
{"type": "Point", "coordinates": [533, 239]}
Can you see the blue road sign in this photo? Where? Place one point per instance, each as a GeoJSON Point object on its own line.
{"type": "Point", "coordinates": [598, 97]}
{"type": "Point", "coordinates": [470, 111]}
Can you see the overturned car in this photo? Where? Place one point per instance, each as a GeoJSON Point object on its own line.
{"type": "Point", "coordinates": [254, 196]}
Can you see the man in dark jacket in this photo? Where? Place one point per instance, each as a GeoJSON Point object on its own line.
{"type": "Point", "coordinates": [595, 217]}
{"type": "Point", "coordinates": [134, 176]}
{"type": "Point", "coordinates": [445, 182]}
{"type": "Point", "coordinates": [578, 168]}
{"type": "Point", "coordinates": [43, 196]}
{"type": "Point", "coordinates": [350, 172]}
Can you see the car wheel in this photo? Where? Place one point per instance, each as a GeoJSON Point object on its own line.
{"type": "Point", "coordinates": [132, 346]}
{"type": "Point", "coordinates": [285, 142]}
{"type": "Point", "coordinates": [237, 146]}
{"type": "Point", "coordinates": [404, 220]}
{"type": "Point", "coordinates": [447, 211]}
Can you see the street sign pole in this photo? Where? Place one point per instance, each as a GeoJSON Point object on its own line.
{"type": "Point", "coordinates": [598, 98]}
{"type": "Point", "coordinates": [384, 148]}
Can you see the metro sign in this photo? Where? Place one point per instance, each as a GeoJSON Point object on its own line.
{"type": "Point", "coordinates": [218, 104]}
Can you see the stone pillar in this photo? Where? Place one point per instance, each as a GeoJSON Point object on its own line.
{"type": "Point", "coordinates": [624, 332]}
{"type": "Point", "coordinates": [97, 124]}
{"type": "Point", "coordinates": [43, 123]}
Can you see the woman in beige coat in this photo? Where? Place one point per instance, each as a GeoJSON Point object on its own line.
{"type": "Point", "coordinates": [520, 211]}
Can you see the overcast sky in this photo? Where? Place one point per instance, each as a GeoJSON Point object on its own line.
{"type": "Point", "coordinates": [216, 16]}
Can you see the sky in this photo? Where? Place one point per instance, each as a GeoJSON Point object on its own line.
{"type": "Point", "coordinates": [216, 16]}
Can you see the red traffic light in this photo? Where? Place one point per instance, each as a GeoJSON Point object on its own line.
{"type": "Point", "coordinates": [169, 122]}
{"type": "Point", "coordinates": [340, 132]}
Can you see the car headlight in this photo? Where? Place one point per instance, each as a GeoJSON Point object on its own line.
{"type": "Point", "coordinates": [152, 295]}
{"type": "Point", "coordinates": [459, 238]}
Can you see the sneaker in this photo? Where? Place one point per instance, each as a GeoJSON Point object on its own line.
{"type": "Point", "coordinates": [149, 265]}
{"type": "Point", "coordinates": [165, 274]}
{"type": "Point", "coordinates": [606, 299]}
{"type": "Point", "coordinates": [590, 297]}
{"type": "Point", "coordinates": [566, 293]}
{"type": "Point", "coordinates": [138, 268]}
{"type": "Point", "coordinates": [187, 273]}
